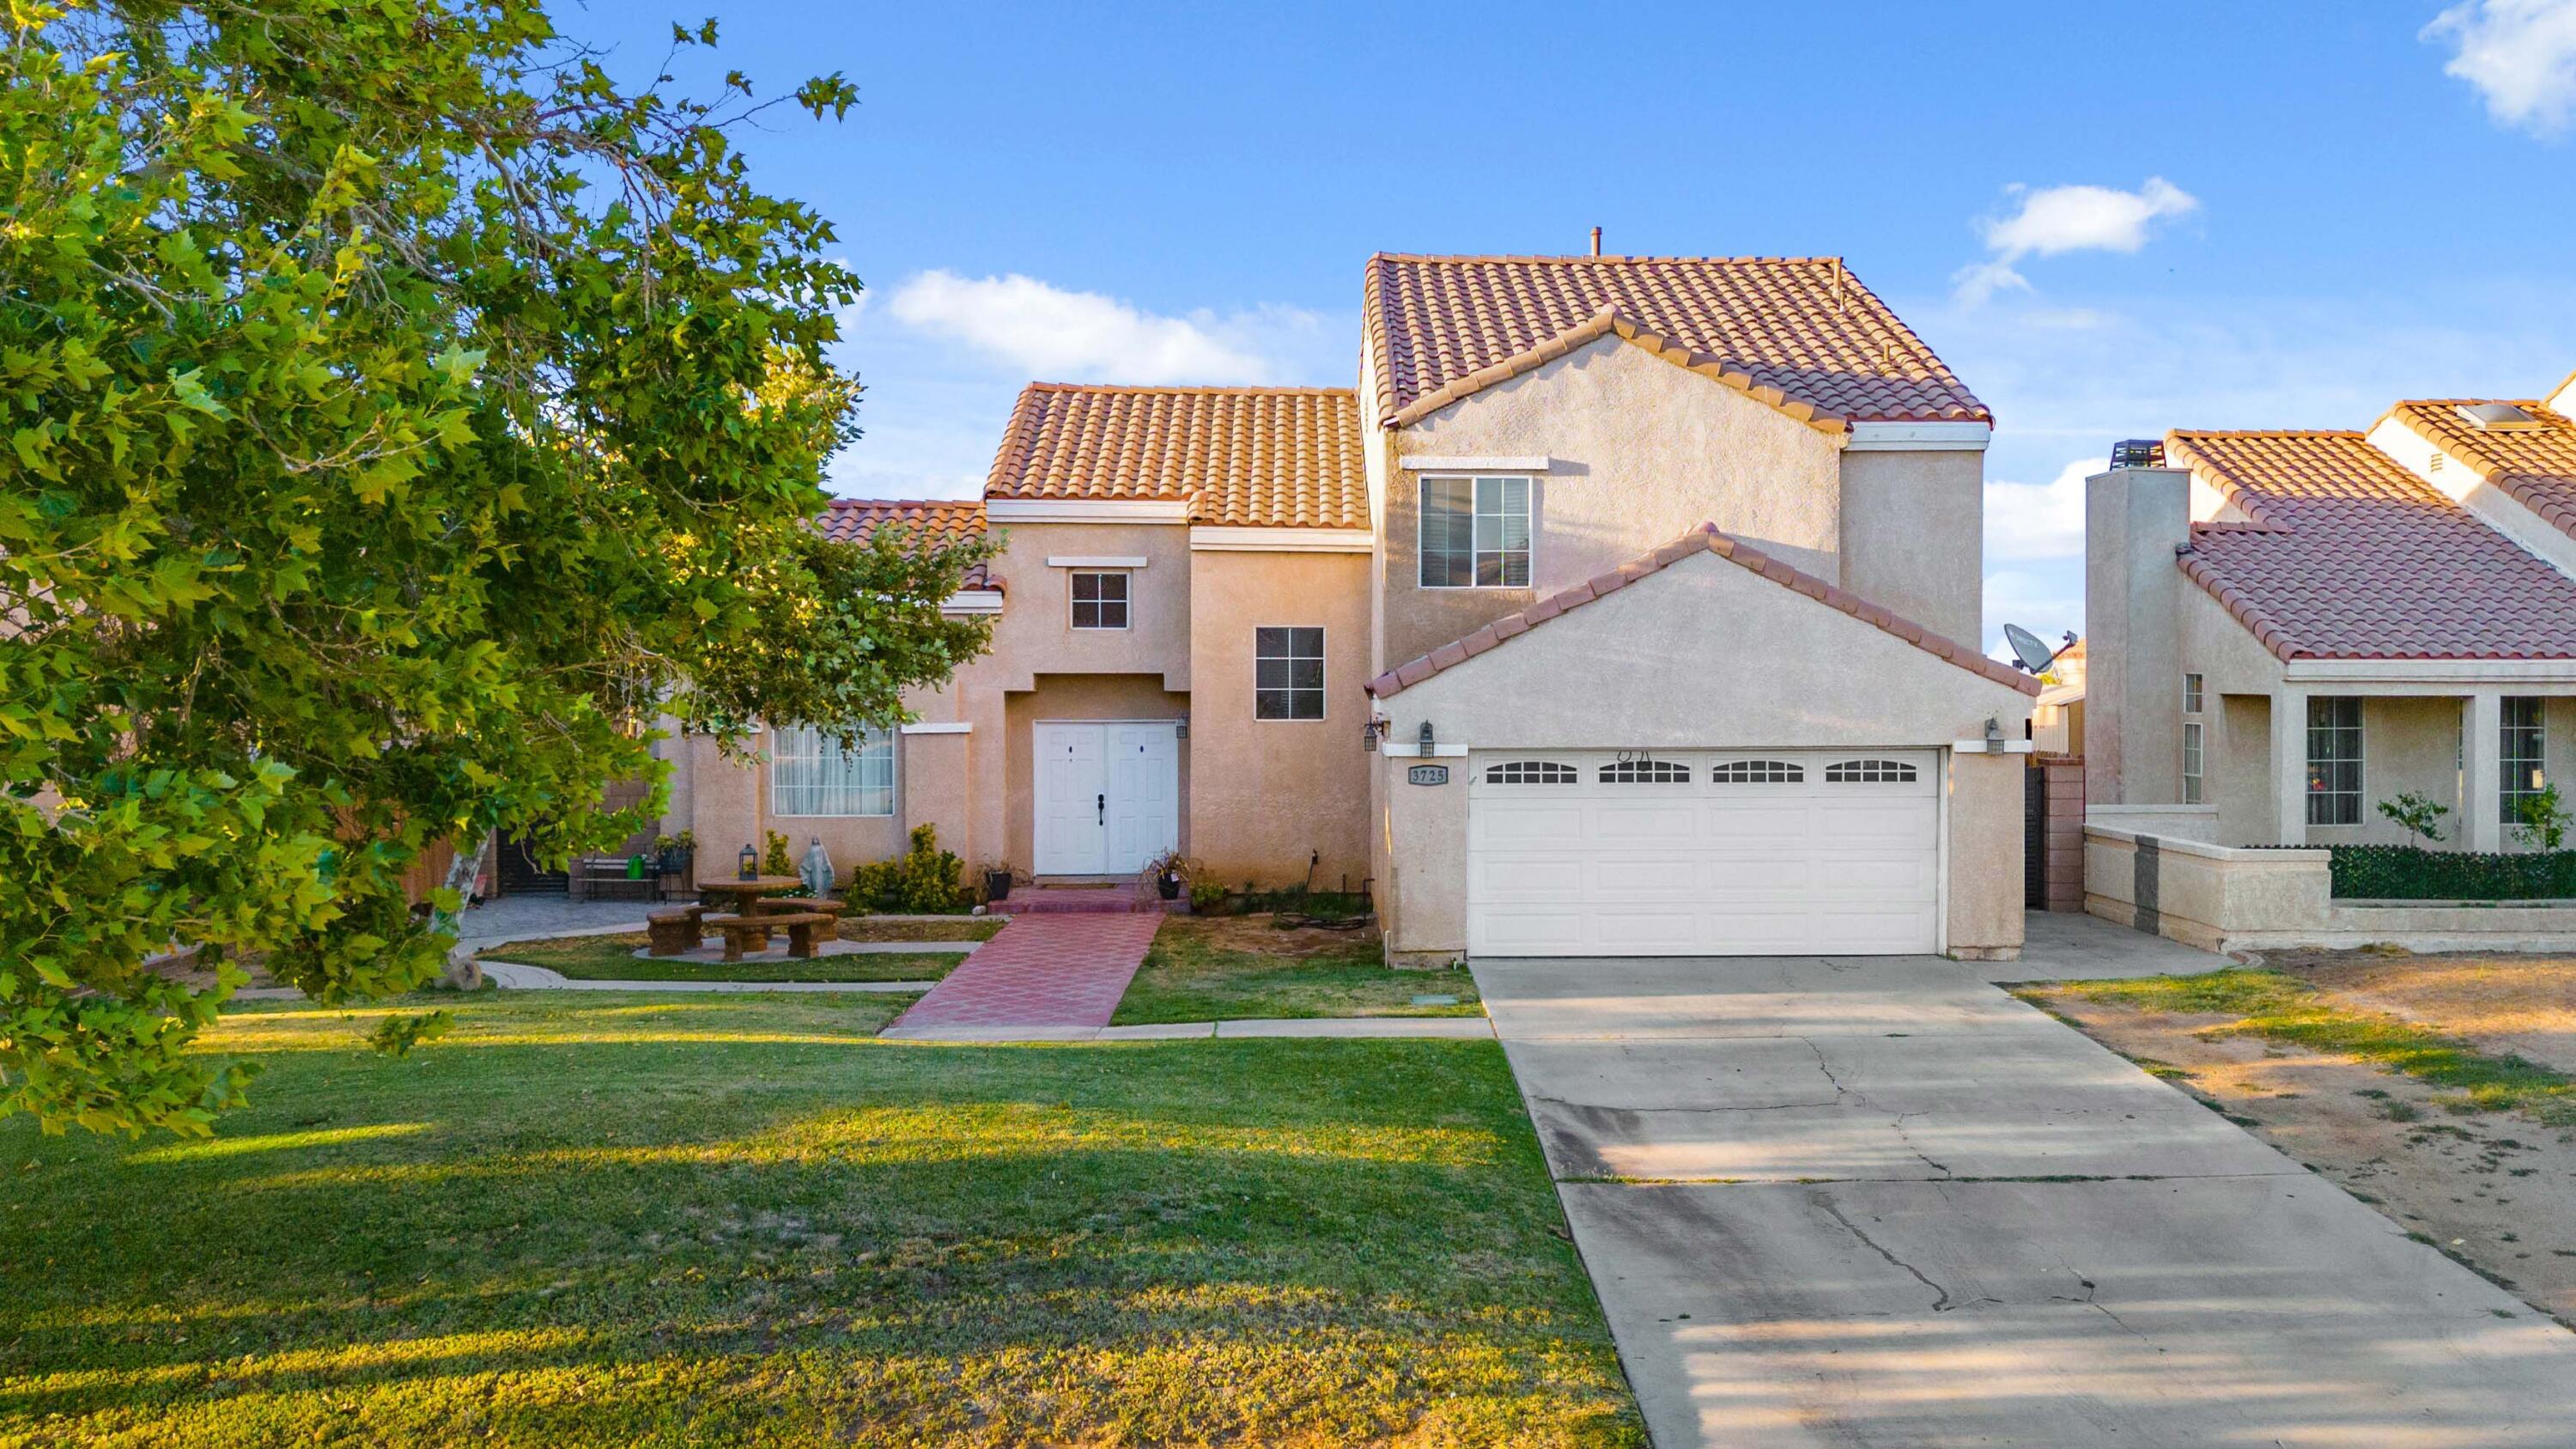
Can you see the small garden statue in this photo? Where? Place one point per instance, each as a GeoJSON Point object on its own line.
{"type": "Point", "coordinates": [817, 869]}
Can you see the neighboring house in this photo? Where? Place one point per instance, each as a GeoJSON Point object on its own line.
{"type": "Point", "coordinates": [2296, 626]}
{"type": "Point", "coordinates": [1628, 606]}
{"type": "Point", "coordinates": [2057, 723]}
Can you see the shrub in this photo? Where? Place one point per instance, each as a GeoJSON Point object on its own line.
{"type": "Point", "coordinates": [2405, 873]}
{"type": "Point", "coordinates": [777, 861]}
{"type": "Point", "coordinates": [2416, 814]}
{"type": "Point", "coordinates": [922, 879]}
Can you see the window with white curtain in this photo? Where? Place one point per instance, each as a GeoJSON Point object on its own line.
{"type": "Point", "coordinates": [810, 774]}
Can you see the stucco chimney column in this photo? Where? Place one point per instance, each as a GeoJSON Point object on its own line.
{"type": "Point", "coordinates": [2134, 518]}
{"type": "Point", "coordinates": [2481, 765]}
{"type": "Point", "coordinates": [2290, 766]}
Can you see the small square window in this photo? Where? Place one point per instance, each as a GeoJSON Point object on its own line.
{"type": "Point", "coordinates": [1287, 673]}
{"type": "Point", "coordinates": [1100, 601]}
{"type": "Point", "coordinates": [2191, 694]}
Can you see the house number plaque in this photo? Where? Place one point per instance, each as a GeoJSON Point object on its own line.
{"type": "Point", "coordinates": [1426, 775]}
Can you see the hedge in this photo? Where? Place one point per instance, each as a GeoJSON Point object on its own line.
{"type": "Point", "coordinates": [2404, 873]}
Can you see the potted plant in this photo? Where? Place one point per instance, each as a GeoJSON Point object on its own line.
{"type": "Point", "coordinates": [1170, 872]}
{"type": "Point", "coordinates": [997, 881]}
{"type": "Point", "coordinates": [675, 852]}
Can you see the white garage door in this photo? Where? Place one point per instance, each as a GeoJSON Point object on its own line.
{"type": "Point", "coordinates": [1702, 853]}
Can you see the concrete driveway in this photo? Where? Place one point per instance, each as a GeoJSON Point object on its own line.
{"type": "Point", "coordinates": [1879, 1201]}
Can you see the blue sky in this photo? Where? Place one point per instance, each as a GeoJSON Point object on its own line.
{"type": "Point", "coordinates": [2286, 215]}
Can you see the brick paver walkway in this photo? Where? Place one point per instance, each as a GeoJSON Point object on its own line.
{"type": "Point", "coordinates": [1053, 970]}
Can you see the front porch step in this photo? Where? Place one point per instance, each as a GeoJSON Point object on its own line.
{"type": "Point", "coordinates": [1088, 900]}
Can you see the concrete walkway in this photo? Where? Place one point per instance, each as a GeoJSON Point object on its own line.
{"type": "Point", "coordinates": [1876, 1201]}
{"type": "Point", "coordinates": [1044, 973]}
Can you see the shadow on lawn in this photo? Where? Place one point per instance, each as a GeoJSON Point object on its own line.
{"type": "Point", "coordinates": [655, 1216]}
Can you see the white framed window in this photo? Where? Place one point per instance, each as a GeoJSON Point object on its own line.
{"type": "Point", "coordinates": [1475, 533]}
{"type": "Point", "coordinates": [810, 774]}
{"type": "Point", "coordinates": [2191, 762]}
{"type": "Point", "coordinates": [1099, 600]}
{"type": "Point", "coordinates": [2191, 694]}
{"type": "Point", "coordinates": [1870, 772]}
{"type": "Point", "coordinates": [2522, 749]}
{"type": "Point", "coordinates": [2334, 760]}
{"type": "Point", "coordinates": [1645, 772]}
{"type": "Point", "coordinates": [1757, 772]}
{"type": "Point", "coordinates": [1532, 772]}
{"type": "Point", "coordinates": [1287, 672]}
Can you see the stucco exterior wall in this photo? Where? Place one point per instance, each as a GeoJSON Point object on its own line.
{"type": "Point", "coordinates": [1076, 697]}
{"type": "Point", "coordinates": [1913, 536]}
{"type": "Point", "coordinates": [1644, 451]}
{"type": "Point", "coordinates": [1701, 654]}
{"type": "Point", "coordinates": [1266, 795]}
{"type": "Point", "coordinates": [1035, 632]}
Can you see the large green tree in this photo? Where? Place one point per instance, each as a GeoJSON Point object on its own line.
{"type": "Point", "coordinates": [401, 416]}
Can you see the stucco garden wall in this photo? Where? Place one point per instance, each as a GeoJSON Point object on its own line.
{"type": "Point", "coordinates": [2233, 899]}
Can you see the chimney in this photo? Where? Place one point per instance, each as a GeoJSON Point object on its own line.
{"type": "Point", "coordinates": [2136, 515]}
{"type": "Point", "coordinates": [1596, 241]}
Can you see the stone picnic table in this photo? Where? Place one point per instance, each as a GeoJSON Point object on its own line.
{"type": "Point", "coordinates": [741, 893]}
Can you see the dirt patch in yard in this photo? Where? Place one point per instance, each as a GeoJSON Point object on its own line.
{"type": "Point", "coordinates": [1262, 934]}
{"type": "Point", "coordinates": [2494, 1189]}
{"type": "Point", "coordinates": [2525, 1005]}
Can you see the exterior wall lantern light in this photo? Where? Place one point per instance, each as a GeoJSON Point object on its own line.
{"type": "Point", "coordinates": [1426, 739]}
{"type": "Point", "coordinates": [1369, 731]}
{"type": "Point", "coordinates": [1994, 735]}
{"type": "Point", "coordinates": [1181, 726]}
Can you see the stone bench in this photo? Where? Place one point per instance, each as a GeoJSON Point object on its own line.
{"type": "Point", "coordinates": [796, 906]}
{"type": "Point", "coordinates": [675, 933]}
{"type": "Point", "coordinates": [752, 932]}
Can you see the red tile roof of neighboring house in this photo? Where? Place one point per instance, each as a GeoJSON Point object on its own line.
{"type": "Point", "coordinates": [1802, 328]}
{"type": "Point", "coordinates": [2350, 556]}
{"type": "Point", "coordinates": [941, 520]}
{"type": "Point", "coordinates": [1269, 457]}
{"type": "Point", "coordinates": [2535, 466]}
{"type": "Point", "coordinates": [1707, 538]}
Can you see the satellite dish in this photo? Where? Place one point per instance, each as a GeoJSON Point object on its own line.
{"type": "Point", "coordinates": [2035, 656]}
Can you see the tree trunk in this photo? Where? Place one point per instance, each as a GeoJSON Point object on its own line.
{"type": "Point", "coordinates": [463, 972]}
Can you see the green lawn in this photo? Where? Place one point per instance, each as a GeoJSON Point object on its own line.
{"type": "Point", "coordinates": [1220, 968]}
{"type": "Point", "coordinates": [612, 958]}
{"type": "Point", "coordinates": [741, 1220]}
{"type": "Point", "coordinates": [2281, 1007]}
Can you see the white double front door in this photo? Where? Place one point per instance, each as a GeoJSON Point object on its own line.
{"type": "Point", "coordinates": [1108, 796]}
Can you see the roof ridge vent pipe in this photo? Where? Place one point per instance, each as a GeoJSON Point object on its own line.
{"type": "Point", "coordinates": [1596, 241]}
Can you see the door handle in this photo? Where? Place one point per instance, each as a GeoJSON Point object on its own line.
{"type": "Point", "coordinates": [1102, 803]}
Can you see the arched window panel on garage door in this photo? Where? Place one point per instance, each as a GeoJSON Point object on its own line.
{"type": "Point", "coordinates": [1870, 772]}
{"type": "Point", "coordinates": [1531, 772]}
{"type": "Point", "coordinates": [1645, 772]}
{"type": "Point", "coordinates": [1757, 772]}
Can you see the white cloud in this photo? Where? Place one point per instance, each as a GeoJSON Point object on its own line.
{"type": "Point", "coordinates": [1047, 332]}
{"type": "Point", "coordinates": [2054, 220]}
{"type": "Point", "coordinates": [2048, 605]}
{"type": "Point", "coordinates": [2039, 520]}
{"type": "Point", "coordinates": [2521, 56]}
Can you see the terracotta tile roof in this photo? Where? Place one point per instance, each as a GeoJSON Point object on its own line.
{"type": "Point", "coordinates": [1802, 327]}
{"type": "Point", "coordinates": [2534, 466]}
{"type": "Point", "coordinates": [943, 520]}
{"type": "Point", "coordinates": [1707, 538]}
{"type": "Point", "coordinates": [1284, 457]}
{"type": "Point", "coordinates": [2350, 556]}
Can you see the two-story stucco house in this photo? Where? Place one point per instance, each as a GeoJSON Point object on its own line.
{"type": "Point", "coordinates": [1627, 606]}
{"type": "Point", "coordinates": [2288, 628]}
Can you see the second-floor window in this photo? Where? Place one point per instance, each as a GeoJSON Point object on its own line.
{"type": "Point", "coordinates": [1288, 673]}
{"type": "Point", "coordinates": [1099, 601]}
{"type": "Point", "coordinates": [1475, 533]}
